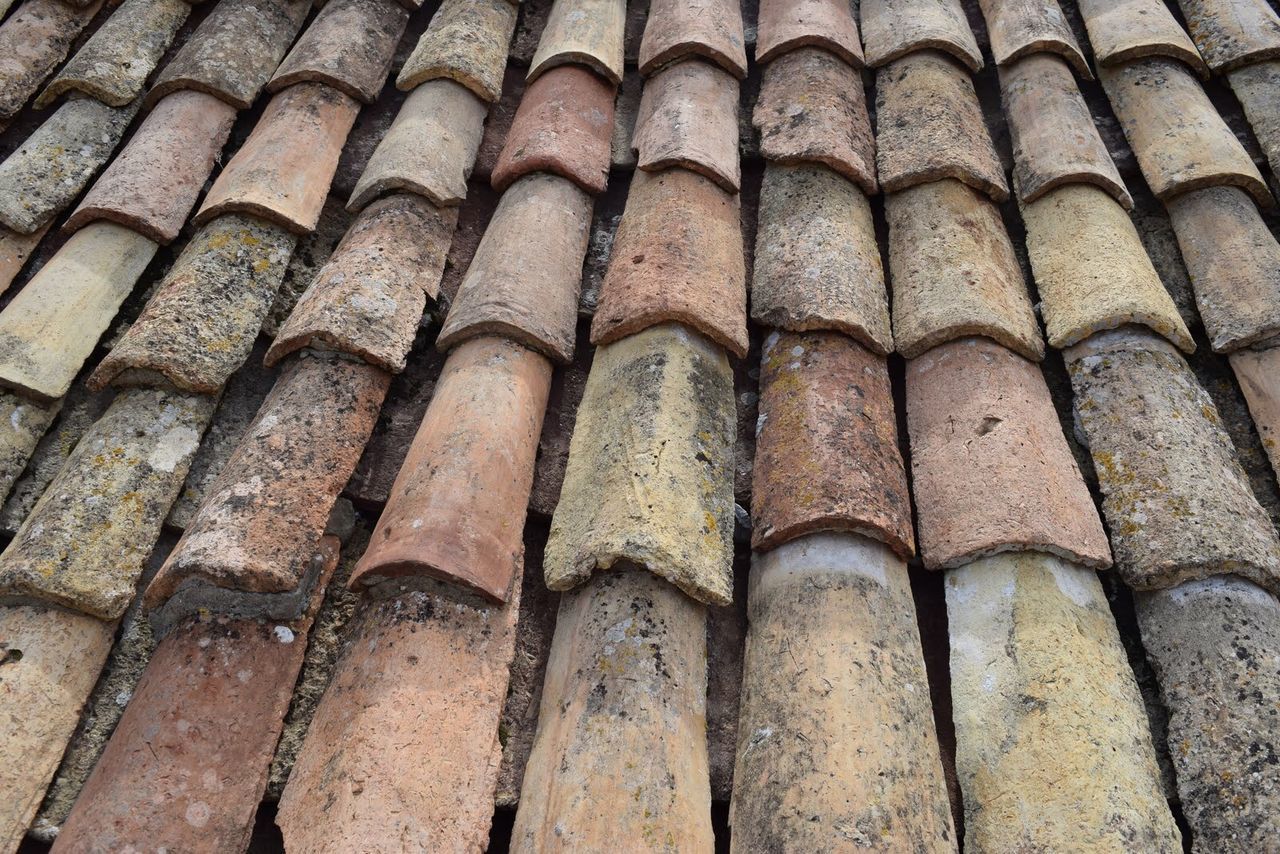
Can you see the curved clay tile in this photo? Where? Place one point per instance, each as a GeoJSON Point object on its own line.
{"type": "Point", "coordinates": [891, 29]}
{"type": "Point", "coordinates": [1124, 30]}
{"type": "Point", "coordinates": [1258, 373]}
{"type": "Point", "coordinates": [1233, 33]}
{"type": "Point", "coordinates": [1257, 87]}
{"type": "Point", "coordinates": [688, 117]}
{"type": "Point", "coordinates": [785, 25]}
{"type": "Point", "coordinates": [33, 40]}
{"type": "Point", "coordinates": [15, 249]}
{"type": "Point", "coordinates": [348, 46]}
{"type": "Point", "coordinates": [1020, 28]}
{"type": "Point", "coordinates": [467, 43]}
{"type": "Point", "coordinates": [689, 29]}
{"type": "Point", "coordinates": [585, 32]}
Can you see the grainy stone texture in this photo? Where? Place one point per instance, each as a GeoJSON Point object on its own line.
{"type": "Point", "coordinates": [891, 29]}
{"type": "Point", "coordinates": [84, 545]}
{"type": "Point", "coordinates": [23, 423]}
{"type": "Point", "coordinates": [1177, 502]}
{"type": "Point", "coordinates": [836, 743]}
{"type": "Point", "coordinates": [115, 62]}
{"type": "Point", "coordinates": [52, 325]}
{"type": "Point", "coordinates": [785, 25]}
{"type": "Point", "coordinates": [15, 249]}
{"type": "Point", "coordinates": [429, 149]}
{"type": "Point", "coordinates": [929, 126]}
{"type": "Point", "coordinates": [56, 163]}
{"type": "Point", "coordinates": [954, 272]}
{"type": "Point", "coordinates": [348, 46]}
{"type": "Point", "coordinates": [688, 117]}
{"type": "Point", "coordinates": [1215, 647]}
{"type": "Point", "coordinates": [201, 323]}
{"type": "Point", "coordinates": [694, 29]}
{"type": "Point", "coordinates": [153, 185]}
{"type": "Point", "coordinates": [1233, 33]}
{"type": "Point", "coordinates": [311, 254]}
{"type": "Point", "coordinates": [1234, 263]}
{"type": "Point", "coordinates": [1175, 132]}
{"type": "Point", "coordinates": [33, 40]}
{"type": "Point", "coordinates": [1124, 30]}
{"type": "Point", "coordinates": [586, 32]}
{"type": "Point", "coordinates": [990, 467]}
{"type": "Point", "coordinates": [1257, 87]}
{"type": "Point", "coordinates": [812, 110]}
{"type": "Point", "coordinates": [1258, 373]}
{"type": "Point", "coordinates": [817, 263]}
{"type": "Point", "coordinates": [650, 474]}
{"type": "Point", "coordinates": [677, 256]}
{"type": "Point", "coordinates": [1020, 28]}
{"type": "Point", "coordinates": [466, 43]}
{"type": "Point", "coordinates": [1053, 749]}
{"type": "Point", "coordinates": [283, 171]}
{"type": "Point", "coordinates": [234, 51]}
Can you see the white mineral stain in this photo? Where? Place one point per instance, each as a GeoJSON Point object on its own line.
{"type": "Point", "coordinates": [174, 447]}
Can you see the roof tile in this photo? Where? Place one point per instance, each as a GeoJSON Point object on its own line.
{"type": "Point", "coordinates": [991, 469]}
{"type": "Point", "coordinates": [1258, 373]}
{"type": "Point", "coordinates": [1257, 87]}
{"type": "Point", "coordinates": [688, 117]}
{"type": "Point", "coordinates": [523, 288]}
{"type": "Point", "coordinates": [1233, 33]}
{"type": "Point", "coordinates": [785, 25]}
{"type": "Point", "coordinates": [827, 445]}
{"type": "Point", "coordinates": [564, 125]}
{"type": "Point", "coordinates": [1124, 30]}
{"type": "Point", "coordinates": [1019, 28]}
{"type": "Point", "coordinates": [586, 32]}
{"type": "Point", "coordinates": [33, 40]}
{"type": "Point", "coordinates": [15, 249]}
{"type": "Point", "coordinates": [348, 46]}
{"type": "Point", "coordinates": [812, 110]}
{"type": "Point", "coordinates": [929, 126]}
{"type": "Point", "coordinates": [677, 256]}
{"type": "Point", "coordinates": [891, 29]}
{"type": "Point", "coordinates": [22, 424]}
{"type": "Point", "coordinates": [467, 43]}
{"type": "Point", "coordinates": [687, 29]}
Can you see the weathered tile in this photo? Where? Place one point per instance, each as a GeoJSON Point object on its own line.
{"type": "Point", "coordinates": [1258, 373]}
{"type": "Point", "coordinates": [54, 165]}
{"type": "Point", "coordinates": [785, 25]}
{"type": "Point", "coordinates": [929, 126]}
{"type": "Point", "coordinates": [249, 549]}
{"type": "Point", "coordinates": [812, 110]}
{"type": "Point", "coordinates": [466, 43]}
{"type": "Point", "coordinates": [990, 467]}
{"type": "Point", "coordinates": [1124, 30]}
{"type": "Point", "coordinates": [348, 46]}
{"type": "Point", "coordinates": [283, 171]}
{"type": "Point", "coordinates": [84, 545]}
{"type": "Point", "coordinates": [1177, 502]}
{"type": "Point", "coordinates": [368, 299]}
{"type": "Point", "coordinates": [523, 281]}
{"type": "Point", "coordinates": [1233, 33]}
{"type": "Point", "coordinates": [1234, 263]}
{"type": "Point", "coordinates": [1178, 137]}
{"type": "Point", "coordinates": [115, 62]}
{"type": "Point", "coordinates": [688, 117]}
{"type": "Point", "coordinates": [201, 323]}
{"type": "Point", "coordinates": [15, 249]}
{"type": "Point", "coordinates": [53, 324]}
{"type": "Point", "coordinates": [1053, 748]}
{"type": "Point", "coordinates": [677, 256]}
{"type": "Point", "coordinates": [626, 110]}
{"type": "Point", "coordinates": [1092, 271]}
{"type": "Point", "coordinates": [1054, 139]}
{"type": "Point", "coordinates": [1020, 28]}
{"type": "Point", "coordinates": [827, 445]}
{"type": "Point", "coordinates": [429, 149]}
{"type": "Point", "coordinates": [564, 126]}
{"type": "Point", "coordinates": [33, 40]}
{"type": "Point", "coordinates": [1257, 87]}
{"type": "Point", "coordinates": [891, 29]}
{"type": "Point", "coordinates": [586, 32]}
{"type": "Point", "coordinates": [23, 423]}
{"type": "Point", "coordinates": [690, 29]}
{"type": "Point", "coordinates": [234, 51]}
{"type": "Point", "coordinates": [954, 272]}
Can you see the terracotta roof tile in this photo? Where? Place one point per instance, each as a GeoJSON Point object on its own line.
{"type": "Point", "coordinates": [929, 126]}
{"type": "Point", "coordinates": [1258, 372]}
{"type": "Point", "coordinates": [33, 40]}
{"type": "Point", "coordinates": [688, 117]}
{"type": "Point", "coordinates": [1020, 28]}
{"type": "Point", "coordinates": [677, 256]}
{"type": "Point", "coordinates": [585, 32]}
{"type": "Point", "coordinates": [22, 423]}
{"type": "Point", "coordinates": [990, 467]}
{"type": "Point", "coordinates": [15, 249]}
{"type": "Point", "coordinates": [152, 186]}
{"type": "Point", "coordinates": [564, 126]}
{"type": "Point", "coordinates": [677, 30]}
{"type": "Point", "coordinates": [1258, 89]}
{"type": "Point", "coordinates": [1177, 502]}
{"type": "Point", "coordinates": [891, 29]}
{"type": "Point", "coordinates": [452, 119]}
{"type": "Point", "coordinates": [368, 299]}
{"type": "Point", "coordinates": [812, 110]}
{"type": "Point", "coordinates": [201, 324]}
{"type": "Point", "coordinates": [348, 46]}
{"type": "Point", "coordinates": [1233, 33]}
{"type": "Point", "coordinates": [466, 43]}
{"type": "Point", "coordinates": [1135, 29]}
{"type": "Point", "coordinates": [785, 25]}
{"type": "Point", "coordinates": [827, 445]}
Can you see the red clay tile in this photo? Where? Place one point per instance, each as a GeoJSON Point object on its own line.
{"type": "Point", "coordinates": [677, 256]}
{"type": "Point", "coordinates": [785, 25]}
{"type": "Point", "coordinates": [1233, 33]}
{"type": "Point", "coordinates": [283, 170]}
{"type": "Point", "coordinates": [467, 43]}
{"type": "Point", "coordinates": [33, 40]}
{"type": "Point", "coordinates": [457, 508]}
{"type": "Point", "coordinates": [368, 298]}
{"type": "Point", "coordinates": [689, 29]}
{"type": "Point", "coordinates": [812, 110]}
{"type": "Point", "coordinates": [521, 286]}
{"type": "Point", "coordinates": [564, 126]}
{"type": "Point", "coordinates": [689, 117]}
{"type": "Point", "coordinates": [891, 29]}
{"type": "Point", "coordinates": [585, 32]}
{"type": "Point", "coordinates": [153, 184]}
{"type": "Point", "coordinates": [1125, 30]}
{"type": "Point", "coordinates": [349, 46]}
{"type": "Point", "coordinates": [1258, 373]}
{"type": "Point", "coordinates": [990, 467]}
{"type": "Point", "coordinates": [827, 445]}
{"type": "Point", "coordinates": [1020, 28]}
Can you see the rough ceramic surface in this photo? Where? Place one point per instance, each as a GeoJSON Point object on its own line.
{"type": "Point", "coordinates": [929, 126]}
{"type": "Point", "coordinates": [688, 117]}
{"type": "Point", "coordinates": [1042, 692]}
{"type": "Point", "coordinates": [1258, 372]}
{"type": "Point", "coordinates": [785, 25]}
{"type": "Point", "coordinates": [348, 46]}
{"type": "Point", "coordinates": [891, 29]}
{"type": "Point", "coordinates": [1020, 28]}
{"type": "Point", "coordinates": [1233, 33]}
{"type": "Point", "coordinates": [677, 256]}
{"type": "Point", "coordinates": [585, 32]}
{"type": "Point", "coordinates": [1257, 87]}
{"type": "Point", "coordinates": [1124, 30]}
{"type": "Point", "coordinates": [15, 249]}
{"type": "Point", "coordinates": [954, 272]}
{"type": "Point", "coordinates": [694, 29]}
{"type": "Point", "coordinates": [33, 40]}
{"type": "Point", "coordinates": [990, 467]}
{"type": "Point", "coordinates": [22, 424]}
{"type": "Point", "coordinates": [649, 480]}
{"type": "Point", "coordinates": [466, 43]}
